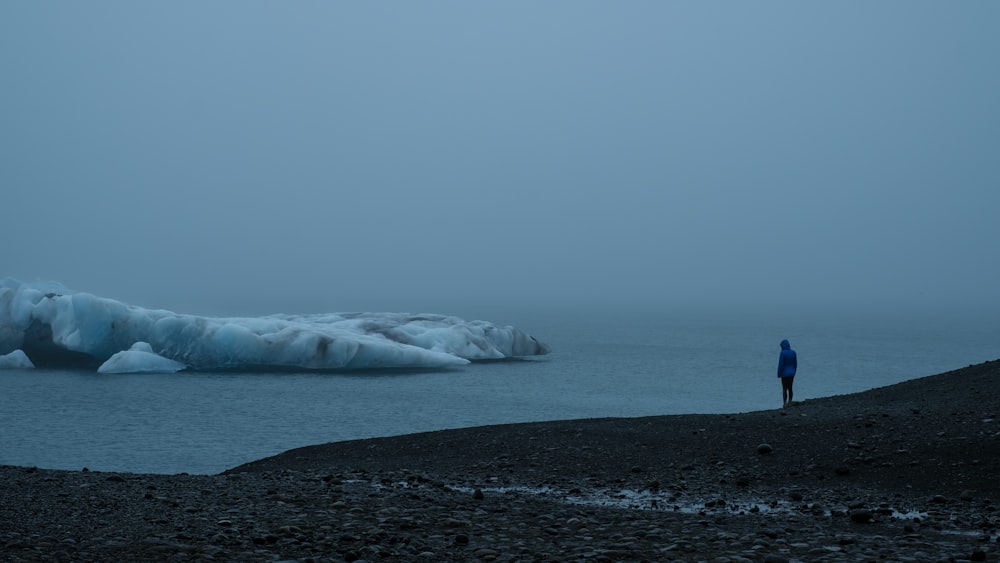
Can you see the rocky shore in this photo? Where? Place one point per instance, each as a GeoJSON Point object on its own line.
{"type": "Point", "coordinates": [909, 472]}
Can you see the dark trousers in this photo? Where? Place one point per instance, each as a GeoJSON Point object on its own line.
{"type": "Point", "coordinates": [786, 388]}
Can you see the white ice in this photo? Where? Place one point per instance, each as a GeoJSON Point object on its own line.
{"type": "Point", "coordinates": [140, 358]}
{"type": "Point", "coordinates": [15, 360]}
{"type": "Point", "coordinates": [54, 325]}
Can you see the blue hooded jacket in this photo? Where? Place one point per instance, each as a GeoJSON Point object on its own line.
{"type": "Point", "coordinates": [787, 361]}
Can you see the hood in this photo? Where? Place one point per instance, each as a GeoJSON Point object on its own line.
{"type": "Point", "coordinates": [785, 345]}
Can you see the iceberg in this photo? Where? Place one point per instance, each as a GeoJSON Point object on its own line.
{"type": "Point", "coordinates": [15, 360]}
{"type": "Point", "coordinates": [140, 358]}
{"type": "Point", "coordinates": [56, 327]}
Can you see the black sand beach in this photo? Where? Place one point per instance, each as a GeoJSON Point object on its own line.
{"type": "Point", "coordinates": [909, 472]}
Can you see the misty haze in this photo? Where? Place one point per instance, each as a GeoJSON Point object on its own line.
{"type": "Point", "coordinates": [250, 159]}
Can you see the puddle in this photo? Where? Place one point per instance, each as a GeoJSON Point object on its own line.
{"type": "Point", "coordinates": [663, 502]}
{"type": "Point", "coordinates": [660, 501]}
{"type": "Point", "coordinates": [628, 499]}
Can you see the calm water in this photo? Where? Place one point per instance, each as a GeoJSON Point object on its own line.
{"type": "Point", "coordinates": [600, 367]}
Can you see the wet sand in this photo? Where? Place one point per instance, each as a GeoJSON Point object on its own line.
{"type": "Point", "coordinates": [909, 472]}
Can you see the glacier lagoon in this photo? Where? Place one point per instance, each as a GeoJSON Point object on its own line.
{"type": "Point", "coordinates": [606, 363]}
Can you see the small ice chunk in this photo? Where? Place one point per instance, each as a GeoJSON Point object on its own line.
{"type": "Point", "coordinates": [140, 358]}
{"type": "Point", "coordinates": [16, 360]}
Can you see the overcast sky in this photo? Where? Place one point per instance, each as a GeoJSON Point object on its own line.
{"type": "Point", "coordinates": [249, 157]}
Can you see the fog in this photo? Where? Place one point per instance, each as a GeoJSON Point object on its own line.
{"type": "Point", "coordinates": [461, 157]}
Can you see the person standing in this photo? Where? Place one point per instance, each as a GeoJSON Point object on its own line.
{"type": "Point", "coordinates": [787, 364]}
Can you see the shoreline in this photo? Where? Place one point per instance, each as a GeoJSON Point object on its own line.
{"type": "Point", "coordinates": [904, 471]}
